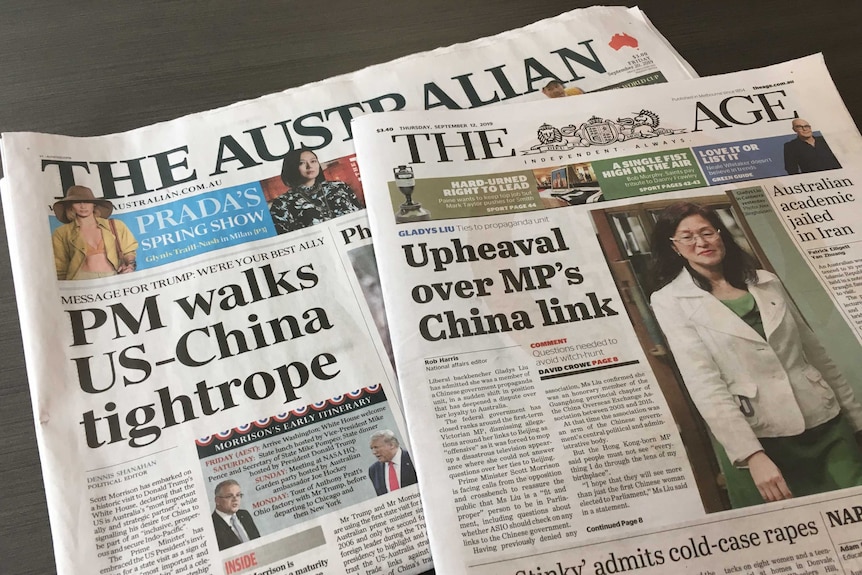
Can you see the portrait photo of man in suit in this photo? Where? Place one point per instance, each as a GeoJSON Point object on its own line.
{"type": "Point", "coordinates": [806, 152]}
{"type": "Point", "coordinates": [393, 468]}
{"type": "Point", "coordinates": [232, 524]}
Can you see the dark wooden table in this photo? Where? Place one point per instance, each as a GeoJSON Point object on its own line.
{"type": "Point", "coordinates": [89, 68]}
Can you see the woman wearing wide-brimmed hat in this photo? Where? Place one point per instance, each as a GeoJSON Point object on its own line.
{"type": "Point", "coordinates": [90, 245]}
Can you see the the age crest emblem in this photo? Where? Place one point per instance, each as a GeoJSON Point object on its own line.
{"type": "Point", "coordinates": [549, 134]}
{"type": "Point", "coordinates": [599, 132]}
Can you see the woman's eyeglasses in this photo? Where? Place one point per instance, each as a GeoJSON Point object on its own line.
{"type": "Point", "coordinates": [689, 239]}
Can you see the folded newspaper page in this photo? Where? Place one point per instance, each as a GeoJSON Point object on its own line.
{"type": "Point", "coordinates": [204, 329]}
{"type": "Point", "coordinates": [627, 326]}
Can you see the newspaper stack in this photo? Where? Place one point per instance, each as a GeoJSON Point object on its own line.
{"type": "Point", "coordinates": [207, 347]}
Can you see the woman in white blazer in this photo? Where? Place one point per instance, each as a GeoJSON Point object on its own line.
{"type": "Point", "coordinates": [778, 406]}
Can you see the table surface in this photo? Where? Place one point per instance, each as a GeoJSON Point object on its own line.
{"type": "Point", "coordinates": [90, 68]}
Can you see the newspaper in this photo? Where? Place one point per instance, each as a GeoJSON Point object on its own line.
{"type": "Point", "coordinates": [627, 326]}
{"type": "Point", "coordinates": [207, 355]}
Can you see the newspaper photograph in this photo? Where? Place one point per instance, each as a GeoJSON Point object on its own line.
{"type": "Point", "coordinates": [626, 326]}
{"type": "Point", "coordinates": [207, 347]}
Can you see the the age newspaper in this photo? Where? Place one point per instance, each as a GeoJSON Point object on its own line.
{"type": "Point", "coordinates": [623, 322]}
{"type": "Point", "coordinates": [205, 336]}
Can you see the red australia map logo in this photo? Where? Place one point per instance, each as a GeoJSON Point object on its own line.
{"type": "Point", "coordinates": [620, 40]}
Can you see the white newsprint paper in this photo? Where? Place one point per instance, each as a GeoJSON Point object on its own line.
{"type": "Point", "coordinates": [204, 331]}
{"type": "Point", "coordinates": [627, 327]}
